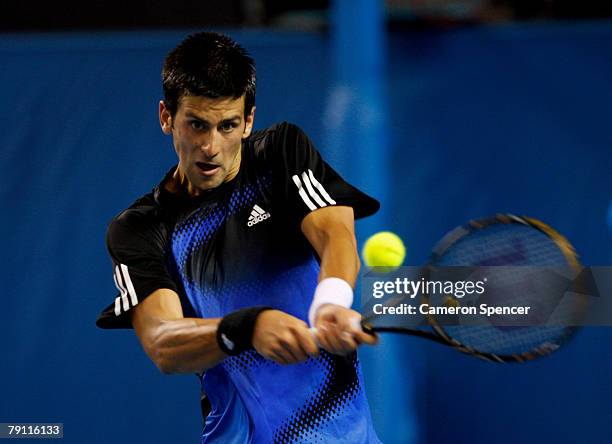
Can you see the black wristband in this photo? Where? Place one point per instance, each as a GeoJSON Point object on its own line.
{"type": "Point", "coordinates": [235, 331]}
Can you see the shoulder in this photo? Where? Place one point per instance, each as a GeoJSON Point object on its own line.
{"type": "Point", "coordinates": [144, 211]}
{"type": "Point", "coordinates": [143, 220]}
{"type": "Point", "coordinates": [279, 138]}
{"type": "Point", "coordinates": [278, 129]}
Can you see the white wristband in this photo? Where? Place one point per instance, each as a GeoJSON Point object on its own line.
{"type": "Point", "coordinates": [330, 291]}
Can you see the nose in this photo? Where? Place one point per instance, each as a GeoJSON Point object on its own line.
{"type": "Point", "coordinates": [211, 145]}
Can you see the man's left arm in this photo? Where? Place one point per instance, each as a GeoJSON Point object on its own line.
{"type": "Point", "coordinates": [331, 232]}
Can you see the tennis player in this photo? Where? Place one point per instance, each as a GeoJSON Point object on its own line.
{"type": "Point", "coordinates": [243, 246]}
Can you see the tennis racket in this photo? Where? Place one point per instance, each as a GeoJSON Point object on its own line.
{"type": "Point", "coordinates": [503, 240]}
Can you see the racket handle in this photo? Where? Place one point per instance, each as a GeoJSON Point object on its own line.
{"type": "Point", "coordinates": [368, 328]}
{"type": "Point", "coordinates": [365, 326]}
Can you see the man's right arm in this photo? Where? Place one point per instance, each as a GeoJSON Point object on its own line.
{"type": "Point", "coordinates": [189, 345]}
{"type": "Point", "coordinates": [174, 343]}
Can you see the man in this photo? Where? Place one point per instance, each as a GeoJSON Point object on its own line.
{"type": "Point", "coordinates": [217, 268]}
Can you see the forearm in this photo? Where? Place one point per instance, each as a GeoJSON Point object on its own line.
{"type": "Point", "coordinates": [331, 233]}
{"type": "Point", "coordinates": [185, 345]}
{"type": "Point", "coordinates": [339, 256]}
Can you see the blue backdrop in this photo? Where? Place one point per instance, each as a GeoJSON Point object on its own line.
{"type": "Point", "coordinates": [477, 121]}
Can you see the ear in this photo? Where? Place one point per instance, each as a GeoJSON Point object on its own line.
{"type": "Point", "coordinates": [165, 118]}
{"type": "Point", "coordinates": [249, 124]}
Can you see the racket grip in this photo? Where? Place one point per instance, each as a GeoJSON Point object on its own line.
{"type": "Point", "coordinates": [367, 328]}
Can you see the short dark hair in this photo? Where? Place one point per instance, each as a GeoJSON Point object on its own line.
{"type": "Point", "coordinates": [208, 64]}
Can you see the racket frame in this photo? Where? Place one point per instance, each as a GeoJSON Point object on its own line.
{"type": "Point", "coordinates": [439, 335]}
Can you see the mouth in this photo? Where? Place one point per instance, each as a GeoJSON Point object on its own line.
{"type": "Point", "coordinates": [207, 169]}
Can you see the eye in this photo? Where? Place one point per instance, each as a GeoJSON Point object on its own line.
{"type": "Point", "coordinates": [228, 127]}
{"type": "Point", "coordinates": [197, 125]}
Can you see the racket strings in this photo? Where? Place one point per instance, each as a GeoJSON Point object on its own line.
{"type": "Point", "coordinates": [511, 245]}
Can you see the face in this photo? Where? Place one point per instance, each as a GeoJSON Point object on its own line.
{"type": "Point", "coordinates": [207, 136]}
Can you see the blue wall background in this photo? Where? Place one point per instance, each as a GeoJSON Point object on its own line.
{"type": "Point", "coordinates": [478, 121]}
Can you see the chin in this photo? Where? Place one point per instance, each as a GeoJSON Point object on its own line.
{"type": "Point", "coordinates": [212, 183]}
{"type": "Point", "coordinates": [204, 183]}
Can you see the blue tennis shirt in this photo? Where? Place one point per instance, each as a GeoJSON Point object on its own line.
{"type": "Point", "coordinates": [241, 245]}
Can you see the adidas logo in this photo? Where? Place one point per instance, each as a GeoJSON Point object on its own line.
{"type": "Point", "coordinates": [257, 215]}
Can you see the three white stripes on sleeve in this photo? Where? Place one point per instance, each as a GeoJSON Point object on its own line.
{"type": "Point", "coordinates": [306, 189]}
{"type": "Point", "coordinates": [126, 287]}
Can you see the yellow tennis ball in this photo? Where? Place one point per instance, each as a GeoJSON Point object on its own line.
{"type": "Point", "coordinates": [384, 249]}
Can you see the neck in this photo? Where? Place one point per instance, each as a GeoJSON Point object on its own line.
{"type": "Point", "coordinates": [178, 182]}
{"type": "Point", "coordinates": [233, 171]}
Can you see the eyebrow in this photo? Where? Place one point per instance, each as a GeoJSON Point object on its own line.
{"type": "Point", "coordinates": [194, 116]}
